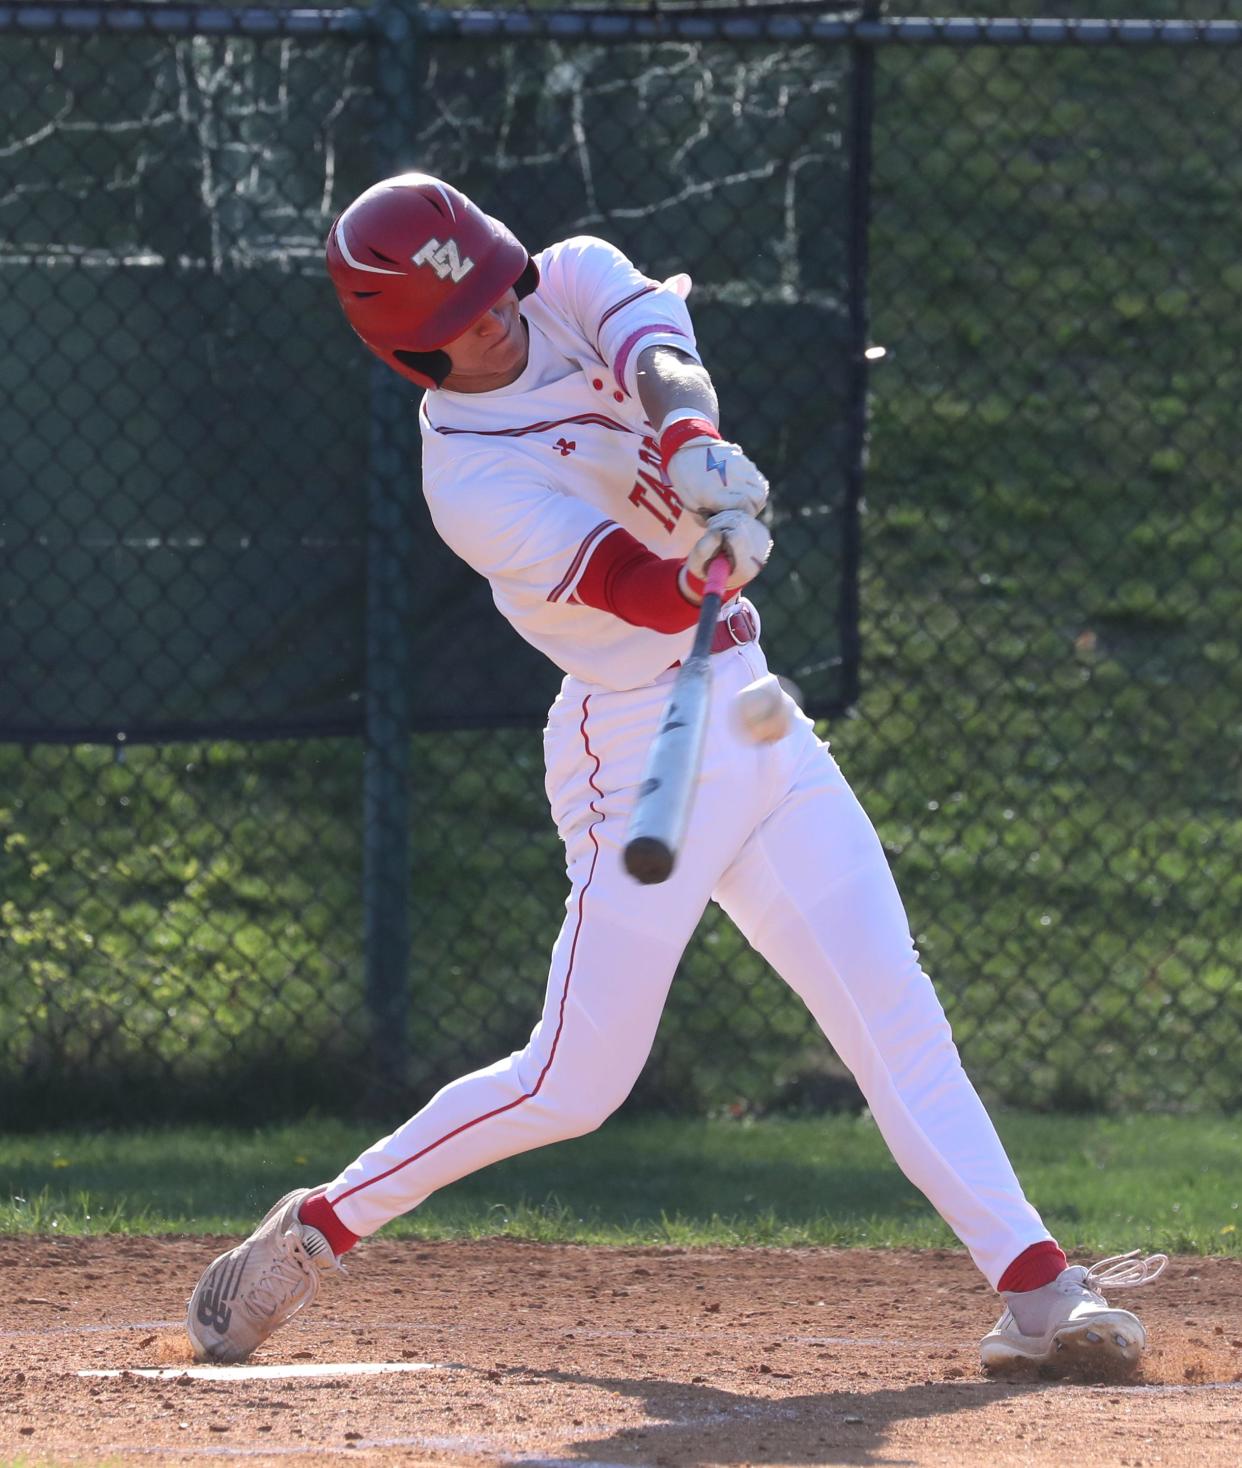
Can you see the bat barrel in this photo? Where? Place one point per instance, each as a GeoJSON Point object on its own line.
{"type": "Point", "coordinates": [648, 859]}
{"type": "Point", "coordinates": [662, 808]}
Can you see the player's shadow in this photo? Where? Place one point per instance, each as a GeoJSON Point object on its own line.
{"type": "Point", "coordinates": [692, 1423]}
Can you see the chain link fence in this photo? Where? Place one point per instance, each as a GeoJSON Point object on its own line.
{"type": "Point", "coordinates": [273, 820]}
{"type": "Point", "coordinates": [1052, 548]}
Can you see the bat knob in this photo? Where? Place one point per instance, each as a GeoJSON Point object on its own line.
{"type": "Point", "coordinates": [648, 860]}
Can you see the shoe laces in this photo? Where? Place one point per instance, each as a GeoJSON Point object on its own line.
{"type": "Point", "coordinates": [1118, 1272]}
{"type": "Point", "coordinates": [1125, 1271]}
{"type": "Point", "coordinates": [282, 1278]}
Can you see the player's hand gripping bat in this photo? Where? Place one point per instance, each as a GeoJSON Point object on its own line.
{"type": "Point", "coordinates": [662, 810]}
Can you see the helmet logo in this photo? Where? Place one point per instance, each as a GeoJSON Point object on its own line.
{"type": "Point", "coordinates": [445, 260]}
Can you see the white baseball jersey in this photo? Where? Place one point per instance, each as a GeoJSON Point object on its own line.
{"type": "Point", "coordinates": [526, 482]}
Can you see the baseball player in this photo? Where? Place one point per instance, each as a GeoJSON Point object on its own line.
{"type": "Point", "coordinates": [572, 456]}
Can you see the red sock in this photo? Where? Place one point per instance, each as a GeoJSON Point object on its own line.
{"type": "Point", "coordinates": [1033, 1268]}
{"type": "Point", "coordinates": [319, 1213]}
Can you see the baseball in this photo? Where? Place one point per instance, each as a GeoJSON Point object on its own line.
{"type": "Point", "coordinates": [761, 711]}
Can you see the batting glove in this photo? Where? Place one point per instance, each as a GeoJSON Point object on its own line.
{"type": "Point", "coordinates": [741, 537]}
{"type": "Point", "coordinates": [707, 473]}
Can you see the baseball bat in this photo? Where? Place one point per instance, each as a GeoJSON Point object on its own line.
{"type": "Point", "coordinates": [662, 809]}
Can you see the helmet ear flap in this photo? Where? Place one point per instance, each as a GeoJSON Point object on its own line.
{"type": "Point", "coordinates": [527, 281]}
{"type": "Point", "coordinates": [435, 366]}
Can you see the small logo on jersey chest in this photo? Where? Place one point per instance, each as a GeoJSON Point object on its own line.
{"type": "Point", "coordinates": [564, 447]}
{"type": "Point", "coordinates": [445, 259]}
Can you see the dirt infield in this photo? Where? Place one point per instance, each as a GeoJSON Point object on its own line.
{"type": "Point", "coordinates": [545, 1354]}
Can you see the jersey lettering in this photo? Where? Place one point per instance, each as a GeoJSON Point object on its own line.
{"type": "Point", "coordinates": [445, 259]}
{"type": "Point", "coordinates": [665, 505]}
{"type": "Point", "coordinates": [645, 487]}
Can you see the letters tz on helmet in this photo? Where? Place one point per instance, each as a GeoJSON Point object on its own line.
{"type": "Point", "coordinates": [445, 260]}
{"type": "Point", "coordinates": [415, 263]}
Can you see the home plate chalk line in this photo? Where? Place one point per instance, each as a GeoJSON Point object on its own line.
{"type": "Point", "coordinates": [276, 1372]}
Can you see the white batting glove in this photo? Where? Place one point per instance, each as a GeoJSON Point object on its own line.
{"type": "Point", "coordinates": [709, 475]}
{"type": "Point", "coordinates": [741, 537]}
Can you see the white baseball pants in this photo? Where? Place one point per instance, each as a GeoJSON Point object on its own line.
{"type": "Point", "coordinates": [779, 841]}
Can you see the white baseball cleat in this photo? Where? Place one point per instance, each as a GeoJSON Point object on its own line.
{"type": "Point", "coordinates": [1071, 1320]}
{"type": "Point", "coordinates": [249, 1292]}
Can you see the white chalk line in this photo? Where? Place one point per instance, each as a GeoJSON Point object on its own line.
{"type": "Point", "coordinates": [478, 1447]}
{"type": "Point", "coordinates": [312, 1450]}
{"type": "Point", "coordinates": [1178, 1387]}
{"type": "Point", "coordinates": [276, 1372]}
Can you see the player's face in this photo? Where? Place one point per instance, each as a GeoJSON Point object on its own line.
{"type": "Point", "coordinates": [492, 351]}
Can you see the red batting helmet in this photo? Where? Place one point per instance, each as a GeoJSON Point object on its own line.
{"type": "Point", "coordinates": [414, 262]}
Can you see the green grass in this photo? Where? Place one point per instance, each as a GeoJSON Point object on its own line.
{"type": "Point", "coordinates": [1103, 1185]}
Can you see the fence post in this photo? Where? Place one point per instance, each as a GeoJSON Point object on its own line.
{"type": "Point", "coordinates": [386, 761]}
{"type": "Point", "coordinates": [862, 113]}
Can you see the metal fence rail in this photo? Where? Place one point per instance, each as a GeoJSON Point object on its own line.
{"type": "Point", "coordinates": [207, 512]}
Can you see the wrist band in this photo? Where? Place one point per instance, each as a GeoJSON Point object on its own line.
{"type": "Point", "coordinates": [681, 432]}
{"type": "Point", "coordinates": [689, 582]}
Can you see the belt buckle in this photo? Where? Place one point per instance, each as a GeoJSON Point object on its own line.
{"type": "Point", "coordinates": [744, 614]}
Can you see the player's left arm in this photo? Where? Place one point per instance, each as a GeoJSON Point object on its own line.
{"type": "Point", "coordinates": [709, 473]}
{"type": "Point", "coordinates": [642, 329]}
{"type": "Point", "coordinates": [670, 380]}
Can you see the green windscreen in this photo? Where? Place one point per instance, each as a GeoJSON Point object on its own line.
{"type": "Point", "coordinates": [192, 436]}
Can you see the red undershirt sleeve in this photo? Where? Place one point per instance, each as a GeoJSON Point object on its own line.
{"type": "Point", "coordinates": [625, 578]}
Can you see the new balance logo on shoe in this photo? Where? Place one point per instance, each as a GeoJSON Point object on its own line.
{"type": "Point", "coordinates": [213, 1309]}
{"type": "Point", "coordinates": [445, 259]}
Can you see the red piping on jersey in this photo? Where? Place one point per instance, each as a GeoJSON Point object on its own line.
{"type": "Point", "coordinates": [597, 420]}
{"type": "Point", "coordinates": [590, 539]}
{"type": "Point", "coordinates": [631, 341]}
{"type": "Point", "coordinates": [620, 306]}
{"type": "Point", "coordinates": [560, 1019]}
